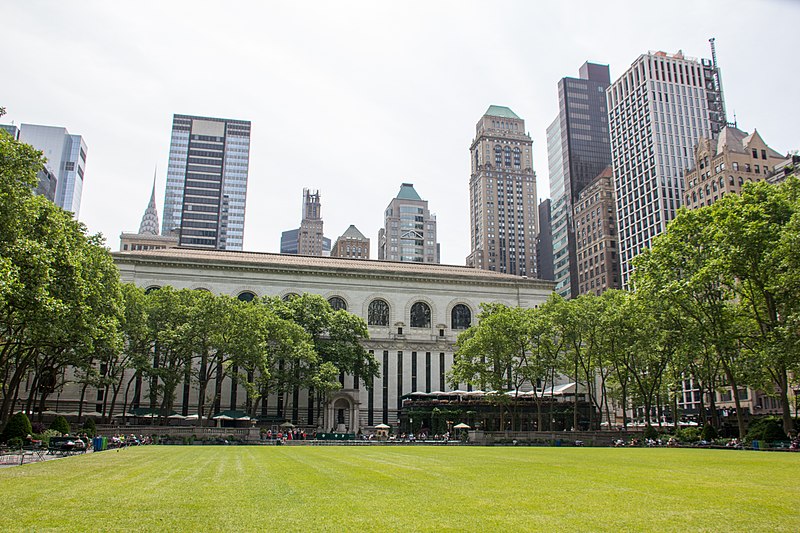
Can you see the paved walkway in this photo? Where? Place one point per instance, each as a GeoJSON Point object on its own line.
{"type": "Point", "coordinates": [15, 458]}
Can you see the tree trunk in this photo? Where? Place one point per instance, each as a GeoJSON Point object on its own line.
{"type": "Point", "coordinates": [735, 390]}
{"type": "Point", "coordinates": [80, 405]}
{"type": "Point", "coordinates": [783, 385]}
{"type": "Point", "coordinates": [13, 385]}
{"type": "Point", "coordinates": [575, 404]}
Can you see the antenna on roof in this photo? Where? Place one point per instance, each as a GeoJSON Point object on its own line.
{"type": "Point", "coordinates": [717, 80]}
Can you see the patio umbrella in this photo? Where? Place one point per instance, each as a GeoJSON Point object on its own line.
{"type": "Point", "coordinates": [287, 424]}
{"type": "Point", "coordinates": [176, 416]}
{"type": "Point", "coordinates": [461, 425]}
{"type": "Point", "coordinates": [222, 417]}
{"type": "Point", "coordinates": [382, 426]}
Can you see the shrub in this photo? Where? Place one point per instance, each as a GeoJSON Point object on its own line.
{"type": "Point", "coordinates": [18, 426]}
{"type": "Point", "coordinates": [60, 424]}
{"type": "Point", "coordinates": [15, 442]}
{"type": "Point", "coordinates": [768, 428]}
{"type": "Point", "coordinates": [687, 434]}
{"type": "Point", "coordinates": [45, 435]}
{"type": "Point", "coordinates": [709, 433]}
{"type": "Point", "coordinates": [89, 427]}
{"type": "Point", "coordinates": [650, 432]}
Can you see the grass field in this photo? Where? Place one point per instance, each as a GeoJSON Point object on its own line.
{"type": "Point", "coordinates": [405, 488]}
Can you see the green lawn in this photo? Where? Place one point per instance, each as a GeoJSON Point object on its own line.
{"type": "Point", "coordinates": [196, 488]}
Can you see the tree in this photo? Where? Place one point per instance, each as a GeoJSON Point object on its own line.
{"type": "Point", "coordinates": [685, 270]}
{"type": "Point", "coordinates": [173, 343]}
{"type": "Point", "coordinates": [336, 339]}
{"type": "Point", "coordinates": [619, 333]}
{"type": "Point", "coordinates": [758, 233]}
{"type": "Point", "coordinates": [650, 347]}
{"type": "Point", "coordinates": [546, 346]}
{"type": "Point", "coordinates": [58, 286]}
{"type": "Point", "coordinates": [135, 349]}
{"type": "Point", "coordinates": [494, 353]}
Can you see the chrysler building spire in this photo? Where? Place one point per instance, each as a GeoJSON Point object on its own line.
{"type": "Point", "coordinates": [149, 225]}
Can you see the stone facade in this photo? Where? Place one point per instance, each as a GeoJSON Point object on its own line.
{"type": "Point", "coordinates": [502, 195]}
{"type": "Point", "coordinates": [415, 312]}
{"type": "Point", "coordinates": [723, 165]}
{"type": "Point", "coordinates": [352, 243]}
{"type": "Point", "coordinates": [596, 236]}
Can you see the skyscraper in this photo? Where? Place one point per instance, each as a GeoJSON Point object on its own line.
{"type": "Point", "coordinates": [544, 243]}
{"type": "Point", "coordinates": [207, 182]}
{"type": "Point", "coordinates": [658, 110]}
{"type": "Point", "coordinates": [308, 239]}
{"type": "Point", "coordinates": [596, 236]}
{"type": "Point", "coordinates": [66, 160]}
{"type": "Point", "coordinates": [578, 150]}
{"type": "Point", "coordinates": [502, 195]}
{"type": "Point", "coordinates": [409, 231]}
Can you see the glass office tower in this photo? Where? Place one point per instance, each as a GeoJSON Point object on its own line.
{"type": "Point", "coordinates": [578, 149]}
{"type": "Point", "coordinates": [206, 192]}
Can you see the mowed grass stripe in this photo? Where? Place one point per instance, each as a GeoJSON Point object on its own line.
{"type": "Point", "coordinates": [410, 488]}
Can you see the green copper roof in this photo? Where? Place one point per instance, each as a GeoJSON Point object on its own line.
{"type": "Point", "coordinates": [407, 192]}
{"type": "Point", "coordinates": [501, 111]}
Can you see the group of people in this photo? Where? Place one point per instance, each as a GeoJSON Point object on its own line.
{"type": "Point", "coordinates": [423, 436]}
{"type": "Point", "coordinates": [120, 440]}
{"type": "Point", "coordinates": [285, 435]}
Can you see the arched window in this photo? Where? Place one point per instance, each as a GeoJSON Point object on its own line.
{"type": "Point", "coordinates": [460, 317]}
{"type": "Point", "coordinates": [337, 303]}
{"type": "Point", "coordinates": [148, 290]}
{"type": "Point", "coordinates": [290, 296]}
{"type": "Point", "coordinates": [378, 313]}
{"type": "Point", "coordinates": [508, 156]}
{"type": "Point", "coordinates": [246, 296]}
{"type": "Point", "coordinates": [517, 157]}
{"type": "Point", "coordinates": [420, 315]}
{"type": "Point", "coordinates": [498, 155]}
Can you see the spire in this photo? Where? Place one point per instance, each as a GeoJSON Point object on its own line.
{"type": "Point", "coordinates": [149, 225]}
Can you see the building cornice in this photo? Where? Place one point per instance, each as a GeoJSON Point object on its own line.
{"type": "Point", "coordinates": [398, 272]}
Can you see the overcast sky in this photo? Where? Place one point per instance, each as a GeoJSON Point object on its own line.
{"type": "Point", "coordinates": [354, 98]}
